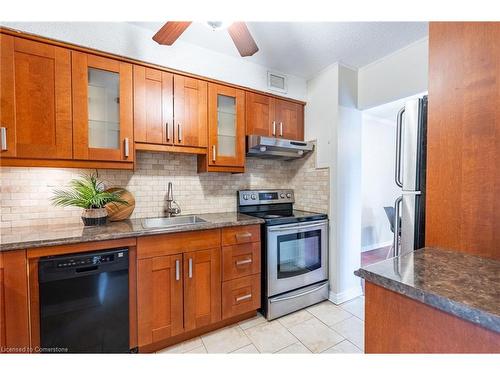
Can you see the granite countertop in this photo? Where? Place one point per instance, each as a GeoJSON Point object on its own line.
{"type": "Point", "coordinates": [462, 285]}
{"type": "Point", "coordinates": [52, 235]}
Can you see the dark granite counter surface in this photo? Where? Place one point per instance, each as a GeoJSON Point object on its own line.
{"type": "Point", "coordinates": [462, 285]}
{"type": "Point", "coordinates": [51, 235]}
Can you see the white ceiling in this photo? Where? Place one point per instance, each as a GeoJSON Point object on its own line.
{"type": "Point", "coordinates": [390, 110]}
{"type": "Point", "coordinates": [305, 48]}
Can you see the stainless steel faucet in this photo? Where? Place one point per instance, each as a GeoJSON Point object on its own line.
{"type": "Point", "coordinates": [173, 208]}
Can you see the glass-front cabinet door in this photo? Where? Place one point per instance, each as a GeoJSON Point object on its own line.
{"type": "Point", "coordinates": [102, 108]}
{"type": "Point", "coordinates": [226, 126]}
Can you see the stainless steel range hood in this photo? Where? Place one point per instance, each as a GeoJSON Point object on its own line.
{"type": "Point", "coordinates": [276, 148]}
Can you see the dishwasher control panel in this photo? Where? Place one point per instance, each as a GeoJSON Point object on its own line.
{"type": "Point", "coordinates": [91, 260]}
{"type": "Point", "coordinates": [51, 267]}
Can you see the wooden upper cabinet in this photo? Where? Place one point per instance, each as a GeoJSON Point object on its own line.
{"type": "Point", "coordinates": [226, 124]}
{"type": "Point", "coordinates": [259, 114]}
{"type": "Point", "coordinates": [272, 117]}
{"type": "Point", "coordinates": [153, 106]}
{"type": "Point", "coordinates": [159, 298]}
{"type": "Point", "coordinates": [190, 112]}
{"type": "Point", "coordinates": [102, 108]}
{"type": "Point", "coordinates": [202, 288]}
{"type": "Point", "coordinates": [35, 100]}
{"type": "Point", "coordinates": [289, 119]}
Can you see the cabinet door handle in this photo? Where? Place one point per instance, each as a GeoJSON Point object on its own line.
{"type": "Point", "coordinates": [179, 132]}
{"type": "Point", "coordinates": [3, 138]}
{"type": "Point", "coordinates": [213, 153]}
{"type": "Point", "coordinates": [177, 270]}
{"type": "Point", "coordinates": [243, 298]}
{"type": "Point", "coordinates": [274, 127]}
{"type": "Point", "coordinates": [168, 131]}
{"type": "Point", "coordinates": [281, 129]}
{"type": "Point", "coordinates": [126, 147]}
{"type": "Point", "coordinates": [190, 268]}
{"type": "Point", "coordinates": [243, 236]}
{"type": "Point", "coordinates": [244, 261]}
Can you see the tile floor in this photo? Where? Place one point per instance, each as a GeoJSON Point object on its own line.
{"type": "Point", "coordinates": [322, 328]}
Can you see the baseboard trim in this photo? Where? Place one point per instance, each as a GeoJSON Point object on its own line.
{"type": "Point", "coordinates": [338, 298]}
{"type": "Point", "coordinates": [375, 246]}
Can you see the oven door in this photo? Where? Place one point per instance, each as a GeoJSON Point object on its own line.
{"type": "Point", "coordinates": [296, 255]}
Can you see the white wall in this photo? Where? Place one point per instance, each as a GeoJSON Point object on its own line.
{"type": "Point", "coordinates": [398, 75]}
{"type": "Point", "coordinates": [378, 187]}
{"type": "Point", "coordinates": [128, 40]}
{"type": "Point", "coordinates": [321, 112]}
{"type": "Point", "coordinates": [335, 122]}
{"type": "Point", "coordinates": [345, 188]}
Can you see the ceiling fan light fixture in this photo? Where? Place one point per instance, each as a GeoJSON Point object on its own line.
{"type": "Point", "coordinates": [238, 31]}
{"type": "Point", "coordinates": [219, 25]}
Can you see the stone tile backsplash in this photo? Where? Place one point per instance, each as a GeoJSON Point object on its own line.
{"type": "Point", "coordinates": [25, 192]}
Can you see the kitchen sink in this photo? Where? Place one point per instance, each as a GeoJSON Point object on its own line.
{"type": "Point", "coordinates": [165, 222]}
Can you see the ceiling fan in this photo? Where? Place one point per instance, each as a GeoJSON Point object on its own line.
{"type": "Point", "coordinates": [238, 31]}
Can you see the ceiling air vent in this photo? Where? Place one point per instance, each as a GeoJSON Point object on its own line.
{"type": "Point", "coordinates": [276, 82]}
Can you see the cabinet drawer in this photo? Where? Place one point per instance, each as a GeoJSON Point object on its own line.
{"type": "Point", "coordinates": [240, 296]}
{"type": "Point", "coordinates": [241, 234]}
{"type": "Point", "coordinates": [240, 260]}
{"type": "Point", "coordinates": [175, 243]}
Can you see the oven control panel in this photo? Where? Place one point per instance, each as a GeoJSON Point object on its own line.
{"type": "Point", "coordinates": [255, 197]}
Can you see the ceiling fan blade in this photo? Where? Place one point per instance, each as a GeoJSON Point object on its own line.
{"type": "Point", "coordinates": [242, 39]}
{"type": "Point", "coordinates": [169, 33]}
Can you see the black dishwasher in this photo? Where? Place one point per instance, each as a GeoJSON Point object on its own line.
{"type": "Point", "coordinates": [84, 302]}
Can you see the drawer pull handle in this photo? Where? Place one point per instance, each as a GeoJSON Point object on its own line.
{"type": "Point", "coordinates": [243, 236]}
{"type": "Point", "coordinates": [243, 298]}
{"type": "Point", "coordinates": [244, 261]}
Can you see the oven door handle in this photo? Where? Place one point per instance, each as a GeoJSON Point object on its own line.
{"type": "Point", "coordinates": [282, 229]}
{"type": "Point", "coordinates": [279, 299]}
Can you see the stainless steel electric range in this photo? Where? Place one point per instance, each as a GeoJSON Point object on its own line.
{"type": "Point", "coordinates": [294, 251]}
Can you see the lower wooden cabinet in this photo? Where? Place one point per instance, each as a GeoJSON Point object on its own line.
{"type": "Point", "coordinates": [187, 281]}
{"type": "Point", "coordinates": [2, 305]}
{"type": "Point", "coordinates": [177, 293]}
{"type": "Point", "coordinates": [240, 295]}
{"type": "Point", "coordinates": [241, 234]}
{"type": "Point", "coordinates": [14, 314]}
{"type": "Point", "coordinates": [159, 295]}
{"type": "Point", "coordinates": [202, 288]}
{"type": "Point", "coordinates": [240, 260]}
{"type": "Point", "coordinates": [397, 324]}
{"type": "Point", "coordinates": [178, 286]}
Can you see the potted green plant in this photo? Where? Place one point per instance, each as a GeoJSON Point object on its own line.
{"type": "Point", "coordinates": [88, 193]}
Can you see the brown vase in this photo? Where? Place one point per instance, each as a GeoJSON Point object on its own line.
{"type": "Point", "coordinates": [94, 216]}
{"type": "Point", "coordinates": [120, 211]}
